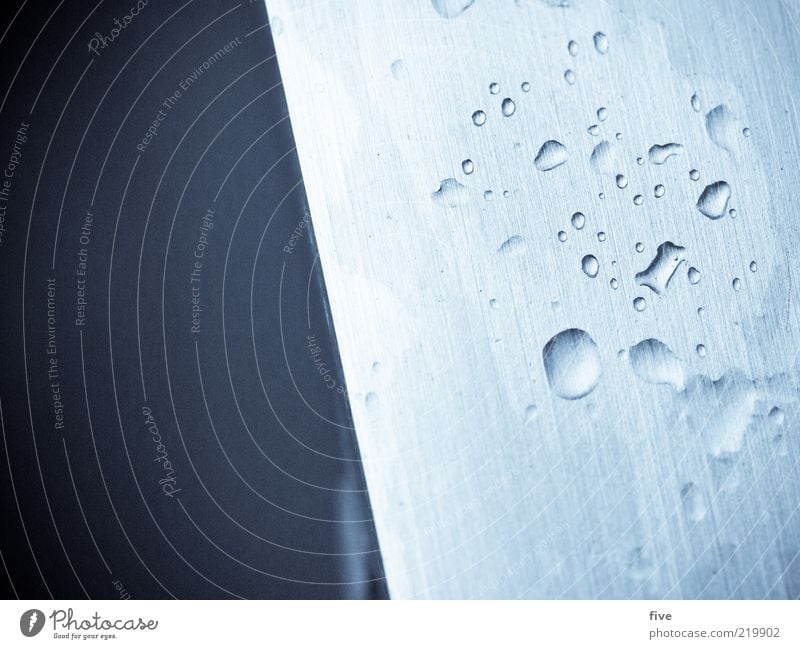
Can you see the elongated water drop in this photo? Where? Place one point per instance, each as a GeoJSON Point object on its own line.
{"type": "Point", "coordinates": [552, 154]}
{"type": "Point", "coordinates": [653, 362]}
{"type": "Point", "coordinates": [512, 246]}
{"type": "Point", "coordinates": [622, 181]}
{"type": "Point", "coordinates": [572, 48]}
{"type": "Point", "coordinates": [590, 265]}
{"type": "Point", "coordinates": [658, 274]}
{"type": "Point", "coordinates": [602, 113]}
{"type": "Point", "coordinates": [600, 42]}
{"type": "Point", "coordinates": [694, 505]}
{"type": "Point", "coordinates": [569, 76]}
{"type": "Point", "coordinates": [693, 275]}
{"type": "Point", "coordinates": [451, 193]}
{"type": "Point", "coordinates": [695, 103]}
{"type": "Point", "coordinates": [737, 284]}
{"type": "Point", "coordinates": [721, 126]}
{"type": "Point", "coordinates": [572, 363]}
{"type": "Point", "coordinates": [451, 8]}
{"type": "Point", "coordinates": [714, 200]}
{"type": "Point", "coordinates": [601, 158]}
{"type": "Point", "coordinates": [398, 69]}
{"type": "Point", "coordinates": [658, 154]}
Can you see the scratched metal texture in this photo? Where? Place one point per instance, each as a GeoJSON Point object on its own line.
{"type": "Point", "coordinates": [676, 479]}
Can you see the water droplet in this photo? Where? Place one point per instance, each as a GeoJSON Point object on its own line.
{"type": "Point", "coordinates": [658, 191]}
{"type": "Point", "coordinates": [398, 69]}
{"type": "Point", "coordinates": [494, 304]}
{"type": "Point", "coordinates": [530, 413]}
{"type": "Point", "coordinates": [572, 363]}
{"type": "Point", "coordinates": [721, 126]}
{"type": "Point", "coordinates": [695, 103]}
{"type": "Point", "coordinates": [376, 367]}
{"type": "Point", "coordinates": [714, 200]}
{"type": "Point", "coordinates": [753, 266]}
{"type": "Point", "coordinates": [479, 118]}
{"type": "Point", "coordinates": [467, 166]}
{"type": "Point", "coordinates": [776, 416]}
{"type": "Point", "coordinates": [562, 236]}
{"type": "Point", "coordinates": [640, 160]}
{"type": "Point", "coordinates": [569, 76]}
{"type": "Point", "coordinates": [618, 136]}
{"type": "Point", "coordinates": [508, 107]}
{"type": "Point", "coordinates": [601, 196]}
{"type": "Point", "coordinates": [622, 181]}
{"type": "Point", "coordinates": [494, 87]}
{"type": "Point", "coordinates": [658, 274]}
{"type": "Point", "coordinates": [658, 154]}
{"type": "Point", "coordinates": [614, 283]}
{"type": "Point", "coordinates": [653, 362]}
{"type": "Point", "coordinates": [512, 246]}
{"type": "Point", "coordinates": [746, 132]}
{"type": "Point", "coordinates": [700, 311]}
{"type": "Point", "coordinates": [578, 220]}
{"type": "Point", "coordinates": [694, 504]}
{"type": "Point", "coordinates": [640, 304]}
{"type": "Point", "coordinates": [601, 158]}
{"type": "Point", "coordinates": [639, 246]}
{"type": "Point", "coordinates": [594, 130]}
{"type": "Point", "coordinates": [600, 42]}
{"type": "Point", "coordinates": [737, 284]}
{"type": "Point", "coordinates": [694, 174]}
{"type": "Point", "coordinates": [590, 265]}
{"type": "Point", "coordinates": [451, 193]}
{"type": "Point", "coordinates": [451, 8]}
{"type": "Point", "coordinates": [371, 401]}
{"type": "Point", "coordinates": [701, 350]}
{"type": "Point", "coordinates": [693, 275]}
{"type": "Point", "coordinates": [488, 195]}
{"type": "Point", "coordinates": [732, 213]}
{"type": "Point", "coordinates": [552, 154]}
{"type": "Point", "coordinates": [602, 113]}
{"type": "Point", "coordinates": [601, 236]}
{"type": "Point", "coordinates": [638, 199]}
{"type": "Point", "coordinates": [526, 86]}
{"type": "Point", "coordinates": [506, 193]}
{"type": "Point", "coordinates": [572, 48]}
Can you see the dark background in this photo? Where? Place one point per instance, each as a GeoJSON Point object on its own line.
{"type": "Point", "coordinates": [251, 411]}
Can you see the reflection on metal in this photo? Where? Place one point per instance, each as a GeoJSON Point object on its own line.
{"type": "Point", "coordinates": [535, 421]}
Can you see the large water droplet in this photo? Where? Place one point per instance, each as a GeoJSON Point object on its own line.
{"type": "Point", "coordinates": [512, 246]}
{"type": "Point", "coordinates": [600, 42]}
{"type": "Point", "coordinates": [398, 69]}
{"type": "Point", "coordinates": [479, 118]}
{"type": "Point", "coordinates": [572, 48]}
{"type": "Point", "coordinates": [467, 166]}
{"type": "Point", "coordinates": [694, 504]}
{"type": "Point", "coordinates": [693, 275]}
{"type": "Point", "coordinates": [658, 154]}
{"type": "Point", "coordinates": [653, 362]}
{"type": "Point", "coordinates": [572, 363]}
{"type": "Point", "coordinates": [451, 193]}
{"type": "Point", "coordinates": [658, 274]}
{"type": "Point", "coordinates": [508, 107]}
{"type": "Point", "coordinates": [552, 154]}
{"type": "Point", "coordinates": [601, 158]}
{"type": "Point", "coordinates": [451, 8]}
{"type": "Point", "coordinates": [714, 199]}
{"type": "Point", "coordinates": [590, 265]}
{"type": "Point", "coordinates": [721, 126]}
{"type": "Point", "coordinates": [578, 220]}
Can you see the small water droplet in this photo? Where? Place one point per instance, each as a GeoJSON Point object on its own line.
{"type": "Point", "coordinates": [721, 126]}
{"type": "Point", "coordinates": [467, 166]}
{"type": "Point", "coordinates": [600, 42]}
{"type": "Point", "coordinates": [552, 154]}
{"type": "Point", "coordinates": [494, 304]}
{"type": "Point", "coordinates": [530, 413]}
{"type": "Point", "coordinates": [488, 195]}
{"type": "Point", "coordinates": [562, 236]}
{"type": "Point", "coordinates": [398, 69]}
{"type": "Point", "coordinates": [701, 350]}
{"type": "Point", "coordinates": [601, 236]}
{"type": "Point", "coordinates": [776, 416]}
{"type": "Point", "coordinates": [695, 103]}
{"type": "Point", "coordinates": [694, 276]}
{"type": "Point", "coordinates": [737, 284]}
{"type": "Point", "coordinates": [512, 246]}
{"type": "Point", "coordinates": [714, 200]}
{"type": "Point", "coordinates": [590, 265]}
{"type": "Point", "coordinates": [494, 87]}
{"type": "Point", "coordinates": [700, 311]}
{"type": "Point", "coordinates": [639, 246]}
{"type": "Point", "coordinates": [653, 362]}
{"type": "Point", "coordinates": [451, 8]}
{"type": "Point", "coordinates": [526, 86]}
{"type": "Point", "coordinates": [601, 195]}
{"type": "Point", "coordinates": [658, 154]}
{"type": "Point", "coordinates": [602, 113]}
{"type": "Point", "coordinates": [618, 136]}
{"type": "Point", "coordinates": [658, 191]}
{"type": "Point", "coordinates": [614, 283]}
{"type": "Point", "coordinates": [572, 48]}
{"type": "Point", "coordinates": [694, 504]}
{"type": "Point", "coordinates": [640, 160]}
{"type": "Point", "coordinates": [622, 181]}
{"type": "Point", "coordinates": [638, 199]}
{"type": "Point", "coordinates": [371, 401]}
{"type": "Point", "coordinates": [753, 266]}
{"type": "Point", "coordinates": [569, 76]}
{"type": "Point", "coordinates": [746, 131]}
{"type": "Point", "coordinates": [572, 363]}
{"type": "Point", "coordinates": [594, 130]}
{"type": "Point", "coordinates": [694, 174]}
{"type": "Point", "coordinates": [578, 220]}
{"type": "Point", "coordinates": [479, 118]}
{"type": "Point", "coordinates": [508, 107]}
{"type": "Point", "coordinates": [451, 193]}
{"type": "Point", "coordinates": [640, 304]}
{"type": "Point", "coordinates": [376, 367]}
{"type": "Point", "coordinates": [658, 274]}
{"type": "Point", "coordinates": [732, 213]}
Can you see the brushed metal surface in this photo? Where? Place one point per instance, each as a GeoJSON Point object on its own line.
{"type": "Point", "coordinates": [677, 474]}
